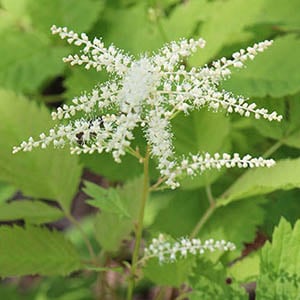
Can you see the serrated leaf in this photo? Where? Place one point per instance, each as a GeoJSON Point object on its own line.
{"type": "Point", "coordinates": [236, 222]}
{"type": "Point", "coordinates": [108, 200]}
{"type": "Point", "coordinates": [110, 240]}
{"type": "Point", "coordinates": [27, 60]}
{"type": "Point", "coordinates": [274, 72]}
{"type": "Point", "coordinates": [246, 269]}
{"type": "Point", "coordinates": [50, 173]}
{"type": "Point", "coordinates": [280, 264]}
{"type": "Point", "coordinates": [34, 212]}
{"type": "Point", "coordinates": [208, 281]}
{"type": "Point", "coordinates": [77, 15]}
{"type": "Point", "coordinates": [169, 274]}
{"type": "Point", "coordinates": [35, 250]}
{"type": "Point", "coordinates": [284, 175]}
{"type": "Point", "coordinates": [201, 131]}
{"type": "Point", "coordinates": [224, 20]}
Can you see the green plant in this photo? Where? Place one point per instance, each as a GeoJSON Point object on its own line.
{"type": "Point", "coordinates": [150, 113]}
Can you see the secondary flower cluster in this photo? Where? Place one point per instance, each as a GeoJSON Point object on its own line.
{"type": "Point", "coordinates": [148, 93]}
{"type": "Point", "coordinates": [167, 251]}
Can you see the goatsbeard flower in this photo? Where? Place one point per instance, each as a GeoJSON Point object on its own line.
{"type": "Point", "coordinates": [148, 93]}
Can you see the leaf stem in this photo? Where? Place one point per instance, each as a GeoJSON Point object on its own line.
{"type": "Point", "coordinates": [84, 236]}
{"type": "Point", "coordinates": [208, 213]}
{"type": "Point", "coordinates": [139, 227]}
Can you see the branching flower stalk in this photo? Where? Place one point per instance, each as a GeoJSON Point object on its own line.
{"type": "Point", "coordinates": [148, 92]}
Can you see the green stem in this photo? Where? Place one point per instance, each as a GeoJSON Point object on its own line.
{"type": "Point", "coordinates": [273, 148]}
{"type": "Point", "coordinates": [84, 236]}
{"type": "Point", "coordinates": [139, 227]}
{"type": "Point", "coordinates": [208, 213]}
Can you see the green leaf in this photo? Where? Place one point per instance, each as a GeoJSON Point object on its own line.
{"type": "Point", "coordinates": [130, 195]}
{"type": "Point", "coordinates": [108, 200]}
{"type": "Point", "coordinates": [281, 204]}
{"type": "Point", "coordinates": [81, 80]}
{"type": "Point", "coordinates": [134, 22]}
{"type": "Point", "coordinates": [280, 14]}
{"type": "Point", "coordinates": [288, 131]}
{"type": "Point", "coordinates": [77, 15]}
{"type": "Point", "coordinates": [34, 212]}
{"type": "Point", "coordinates": [184, 19]}
{"type": "Point", "coordinates": [246, 269]}
{"type": "Point", "coordinates": [201, 131]}
{"type": "Point", "coordinates": [50, 173]}
{"type": "Point", "coordinates": [224, 21]}
{"type": "Point", "coordinates": [208, 281]}
{"type": "Point", "coordinates": [169, 274]}
{"type": "Point", "coordinates": [280, 264]}
{"type": "Point", "coordinates": [35, 250]}
{"type": "Point", "coordinates": [236, 222]}
{"type": "Point", "coordinates": [28, 60]}
{"type": "Point", "coordinates": [6, 191]}
{"type": "Point", "coordinates": [274, 72]}
{"type": "Point", "coordinates": [284, 175]}
{"type": "Point", "coordinates": [181, 212]}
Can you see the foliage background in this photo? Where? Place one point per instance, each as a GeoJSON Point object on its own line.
{"type": "Point", "coordinates": [33, 80]}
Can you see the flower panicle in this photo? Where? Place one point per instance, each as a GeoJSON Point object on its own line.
{"type": "Point", "coordinates": [148, 92]}
{"type": "Point", "coordinates": [94, 54]}
{"type": "Point", "coordinates": [167, 251]}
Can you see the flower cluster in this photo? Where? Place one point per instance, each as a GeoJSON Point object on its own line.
{"type": "Point", "coordinates": [167, 251]}
{"type": "Point", "coordinates": [148, 93]}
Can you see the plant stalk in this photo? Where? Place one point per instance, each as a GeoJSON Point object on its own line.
{"type": "Point", "coordinates": [139, 228]}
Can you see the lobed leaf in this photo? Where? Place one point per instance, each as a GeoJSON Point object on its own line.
{"type": "Point", "coordinates": [50, 173]}
{"type": "Point", "coordinates": [34, 212]}
{"type": "Point", "coordinates": [35, 250]}
{"type": "Point", "coordinates": [284, 175]}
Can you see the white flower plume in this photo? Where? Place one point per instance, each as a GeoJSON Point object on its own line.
{"type": "Point", "coordinates": [167, 251]}
{"type": "Point", "coordinates": [148, 92]}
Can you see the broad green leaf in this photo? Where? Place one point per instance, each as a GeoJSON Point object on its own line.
{"type": "Point", "coordinates": [225, 19]}
{"type": "Point", "coordinates": [169, 274]}
{"type": "Point", "coordinates": [237, 222]}
{"type": "Point", "coordinates": [27, 60]}
{"type": "Point", "coordinates": [111, 228]}
{"type": "Point", "coordinates": [6, 192]}
{"type": "Point", "coordinates": [208, 281]}
{"type": "Point", "coordinates": [281, 204]}
{"type": "Point", "coordinates": [35, 250]}
{"type": "Point", "coordinates": [274, 72]}
{"type": "Point", "coordinates": [184, 19]}
{"type": "Point", "coordinates": [280, 264]}
{"type": "Point", "coordinates": [107, 199]}
{"type": "Point", "coordinates": [284, 175]}
{"type": "Point", "coordinates": [201, 131]}
{"type": "Point", "coordinates": [13, 14]}
{"type": "Point", "coordinates": [50, 173]}
{"type": "Point", "coordinates": [287, 131]}
{"type": "Point", "coordinates": [281, 14]}
{"type": "Point", "coordinates": [82, 80]}
{"type": "Point", "coordinates": [131, 29]}
{"type": "Point", "coordinates": [181, 212]}
{"type": "Point", "coordinates": [34, 212]}
{"type": "Point", "coordinates": [246, 269]}
{"type": "Point", "coordinates": [105, 165]}
{"type": "Point", "coordinates": [77, 15]}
